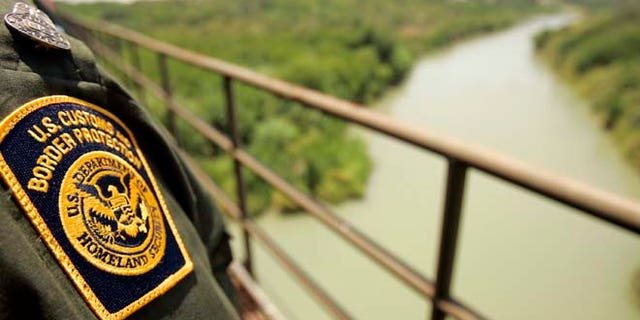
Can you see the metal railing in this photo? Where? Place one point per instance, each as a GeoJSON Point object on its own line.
{"type": "Point", "coordinates": [461, 157]}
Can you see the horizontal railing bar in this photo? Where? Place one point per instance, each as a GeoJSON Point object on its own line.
{"type": "Point", "coordinates": [609, 207]}
{"type": "Point", "coordinates": [211, 134]}
{"type": "Point", "coordinates": [422, 285]}
{"type": "Point", "coordinates": [204, 128]}
{"type": "Point", "coordinates": [343, 228]}
{"type": "Point", "coordinates": [450, 306]}
{"type": "Point", "coordinates": [319, 293]}
{"type": "Point", "coordinates": [237, 270]}
{"type": "Point", "coordinates": [338, 225]}
{"type": "Point", "coordinates": [251, 287]}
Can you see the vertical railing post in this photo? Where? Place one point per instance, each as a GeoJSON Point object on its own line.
{"type": "Point", "coordinates": [448, 239]}
{"type": "Point", "coordinates": [135, 61]}
{"type": "Point", "coordinates": [166, 86]}
{"type": "Point", "coordinates": [232, 124]}
{"type": "Point", "coordinates": [118, 49]}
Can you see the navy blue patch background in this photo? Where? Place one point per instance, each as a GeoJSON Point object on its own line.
{"type": "Point", "coordinates": [21, 151]}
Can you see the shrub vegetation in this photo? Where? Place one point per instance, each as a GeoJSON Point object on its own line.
{"type": "Point", "coordinates": [600, 55]}
{"type": "Point", "coordinates": [353, 49]}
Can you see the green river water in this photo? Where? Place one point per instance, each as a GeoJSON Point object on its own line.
{"type": "Point", "coordinates": [520, 256]}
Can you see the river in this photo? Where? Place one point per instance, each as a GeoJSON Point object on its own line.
{"type": "Point", "coordinates": [519, 257]}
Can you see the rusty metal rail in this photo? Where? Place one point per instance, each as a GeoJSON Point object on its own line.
{"type": "Point", "coordinates": [403, 272]}
{"type": "Point", "coordinates": [461, 157]}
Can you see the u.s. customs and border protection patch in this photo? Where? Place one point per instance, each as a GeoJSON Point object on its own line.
{"type": "Point", "coordinates": [78, 174]}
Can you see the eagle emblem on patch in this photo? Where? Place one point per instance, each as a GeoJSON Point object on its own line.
{"type": "Point", "coordinates": [78, 174]}
{"type": "Point", "coordinates": [110, 215]}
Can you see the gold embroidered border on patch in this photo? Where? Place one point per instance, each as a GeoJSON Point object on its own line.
{"type": "Point", "coordinates": [38, 222]}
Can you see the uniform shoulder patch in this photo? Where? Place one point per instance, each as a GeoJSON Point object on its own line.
{"type": "Point", "coordinates": [78, 174]}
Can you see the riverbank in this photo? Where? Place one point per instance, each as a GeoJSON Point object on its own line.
{"type": "Point", "coordinates": [600, 58]}
{"type": "Point", "coordinates": [353, 50]}
{"type": "Point", "coordinates": [519, 256]}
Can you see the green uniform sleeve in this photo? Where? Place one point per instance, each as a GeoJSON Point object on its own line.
{"type": "Point", "coordinates": [32, 284]}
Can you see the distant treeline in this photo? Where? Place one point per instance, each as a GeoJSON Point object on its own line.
{"type": "Point", "coordinates": [601, 56]}
{"type": "Point", "coordinates": [353, 49]}
{"type": "Point", "coordinates": [601, 4]}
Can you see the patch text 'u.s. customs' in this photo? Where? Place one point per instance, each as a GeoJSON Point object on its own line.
{"type": "Point", "coordinates": [78, 174]}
